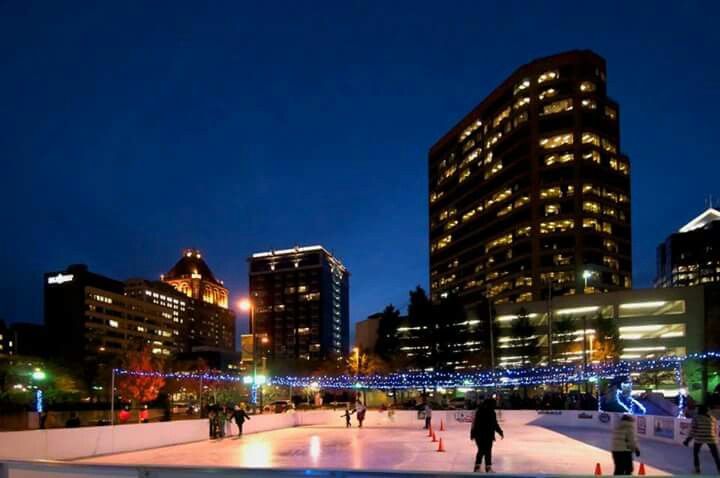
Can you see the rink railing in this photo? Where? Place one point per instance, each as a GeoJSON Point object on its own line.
{"type": "Point", "coordinates": [22, 469]}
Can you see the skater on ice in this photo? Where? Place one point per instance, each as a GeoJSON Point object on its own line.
{"type": "Point", "coordinates": [703, 430]}
{"type": "Point", "coordinates": [240, 415]}
{"type": "Point", "coordinates": [348, 413]}
{"type": "Point", "coordinates": [624, 444]}
{"type": "Point", "coordinates": [484, 428]}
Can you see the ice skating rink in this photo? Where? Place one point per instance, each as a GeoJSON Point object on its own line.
{"type": "Point", "coordinates": [527, 448]}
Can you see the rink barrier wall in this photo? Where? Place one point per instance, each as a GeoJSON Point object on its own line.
{"type": "Point", "coordinates": [651, 427]}
{"type": "Point", "coordinates": [71, 443]}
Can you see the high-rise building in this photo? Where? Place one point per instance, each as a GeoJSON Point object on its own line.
{"type": "Point", "coordinates": [94, 319]}
{"type": "Point", "coordinates": [301, 299]}
{"type": "Point", "coordinates": [691, 256]}
{"type": "Point", "coordinates": [210, 323]}
{"type": "Point", "coordinates": [531, 189]}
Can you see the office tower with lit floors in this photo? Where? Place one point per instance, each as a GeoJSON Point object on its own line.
{"type": "Point", "coordinates": [210, 323]}
{"type": "Point", "coordinates": [691, 256]}
{"type": "Point", "coordinates": [301, 304]}
{"type": "Point", "coordinates": [530, 191]}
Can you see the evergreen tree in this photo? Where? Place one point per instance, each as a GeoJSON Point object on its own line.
{"type": "Point", "coordinates": [387, 344]}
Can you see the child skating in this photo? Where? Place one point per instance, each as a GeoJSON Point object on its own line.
{"type": "Point", "coordinates": [347, 416]}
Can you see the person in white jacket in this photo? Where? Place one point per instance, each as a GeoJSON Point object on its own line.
{"type": "Point", "coordinates": [624, 444]}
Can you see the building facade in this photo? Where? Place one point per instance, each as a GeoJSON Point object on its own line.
{"type": "Point", "coordinates": [366, 333]}
{"type": "Point", "coordinates": [531, 189]}
{"type": "Point", "coordinates": [210, 322]}
{"type": "Point", "coordinates": [691, 256]}
{"type": "Point", "coordinates": [651, 323]}
{"type": "Point", "coordinates": [301, 300]}
{"type": "Point", "coordinates": [94, 319]}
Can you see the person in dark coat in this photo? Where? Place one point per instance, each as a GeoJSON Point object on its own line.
{"type": "Point", "coordinates": [240, 415]}
{"type": "Point", "coordinates": [484, 428]}
{"type": "Point", "coordinates": [73, 421]}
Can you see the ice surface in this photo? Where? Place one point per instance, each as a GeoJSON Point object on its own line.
{"type": "Point", "coordinates": [527, 448]}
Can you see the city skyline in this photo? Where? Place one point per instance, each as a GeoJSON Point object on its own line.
{"type": "Point", "coordinates": [100, 195]}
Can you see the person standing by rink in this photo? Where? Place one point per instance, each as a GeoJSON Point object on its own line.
{"type": "Point", "coordinates": [624, 444]}
{"type": "Point", "coordinates": [484, 428]}
{"type": "Point", "coordinates": [428, 415]}
{"type": "Point", "coordinates": [703, 430]}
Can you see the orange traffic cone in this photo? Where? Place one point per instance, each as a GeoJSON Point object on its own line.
{"type": "Point", "coordinates": [641, 471]}
{"type": "Point", "coordinates": [598, 470]}
{"type": "Point", "coordinates": [442, 425]}
{"type": "Point", "coordinates": [434, 440]}
{"type": "Point", "coordinates": [441, 448]}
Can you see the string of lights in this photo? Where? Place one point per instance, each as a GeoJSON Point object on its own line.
{"type": "Point", "coordinates": [553, 374]}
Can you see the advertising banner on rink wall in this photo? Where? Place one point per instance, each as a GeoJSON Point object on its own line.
{"type": "Point", "coordinates": [464, 416]}
{"type": "Point", "coordinates": [664, 427]}
{"type": "Point", "coordinates": [642, 425]}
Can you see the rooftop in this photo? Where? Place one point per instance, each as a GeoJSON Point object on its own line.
{"type": "Point", "coordinates": [191, 266]}
{"type": "Point", "coordinates": [710, 215]}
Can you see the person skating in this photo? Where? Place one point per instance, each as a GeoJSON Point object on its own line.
{"type": "Point", "coordinates": [360, 411]}
{"type": "Point", "coordinates": [624, 444]}
{"type": "Point", "coordinates": [348, 413]}
{"type": "Point", "coordinates": [703, 429]}
{"type": "Point", "coordinates": [484, 428]}
{"type": "Point", "coordinates": [240, 415]}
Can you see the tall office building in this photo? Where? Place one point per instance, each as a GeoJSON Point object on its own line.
{"type": "Point", "coordinates": [94, 319]}
{"type": "Point", "coordinates": [301, 298]}
{"type": "Point", "coordinates": [530, 189]}
{"type": "Point", "coordinates": [691, 256]}
{"type": "Point", "coordinates": [210, 323]}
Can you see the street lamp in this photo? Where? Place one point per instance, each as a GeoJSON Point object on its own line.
{"type": "Point", "coordinates": [38, 375]}
{"type": "Point", "coordinates": [246, 305]}
{"type": "Point", "coordinates": [356, 351]}
{"type": "Point", "coordinates": [586, 275]}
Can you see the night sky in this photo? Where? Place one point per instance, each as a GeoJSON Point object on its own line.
{"type": "Point", "coordinates": [130, 130]}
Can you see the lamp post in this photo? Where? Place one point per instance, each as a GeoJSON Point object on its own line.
{"type": "Point", "coordinates": [247, 306]}
{"type": "Point", "coordinates": [585, 275]}
{"type": "Point", "coordinates": [38, 376]}
{"type": "Point", "coordinates": [356, 351]}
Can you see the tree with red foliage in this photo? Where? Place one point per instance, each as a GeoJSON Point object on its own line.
{"type": "Point", "coordinates": [138, 388]}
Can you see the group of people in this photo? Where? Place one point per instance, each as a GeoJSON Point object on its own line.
{"type": "Point", "coordinates": [360, 410]}
{"type": "Point", "coordinates": [220, 418]}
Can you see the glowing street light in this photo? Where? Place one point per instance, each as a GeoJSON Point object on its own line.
{"type": "Point", "coordinates": [39, 375]}
{"type": "Point", "coordinates": [246, 305]}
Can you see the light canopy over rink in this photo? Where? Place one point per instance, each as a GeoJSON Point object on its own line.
{"type": "Point", "coordinates": [529, 448]}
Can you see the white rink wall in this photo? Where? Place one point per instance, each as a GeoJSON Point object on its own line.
{"type": "Point", "coordinates": [664, 429]}
{"type": "Point", "coordinates": [71, 443]}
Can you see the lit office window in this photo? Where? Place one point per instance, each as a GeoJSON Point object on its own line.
{"type": "Point", "coordinates": [556, 141]}
{"type": "Point", "coordinates": [548, 76]}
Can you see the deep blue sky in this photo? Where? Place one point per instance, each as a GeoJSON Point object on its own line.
{"type": "Point", "coordinates": [129, 130]}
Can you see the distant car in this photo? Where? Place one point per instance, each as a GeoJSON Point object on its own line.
{"type": "Point", "coordinates": [281, 406]}
{"type": "Point", "coordinates": [341, 405]}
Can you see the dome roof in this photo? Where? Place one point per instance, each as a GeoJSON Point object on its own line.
{"type": "Point", "coordinates": [191, 265]}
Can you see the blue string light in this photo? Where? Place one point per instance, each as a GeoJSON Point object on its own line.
{"type": "Point", "coordinates": [554, 374]}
